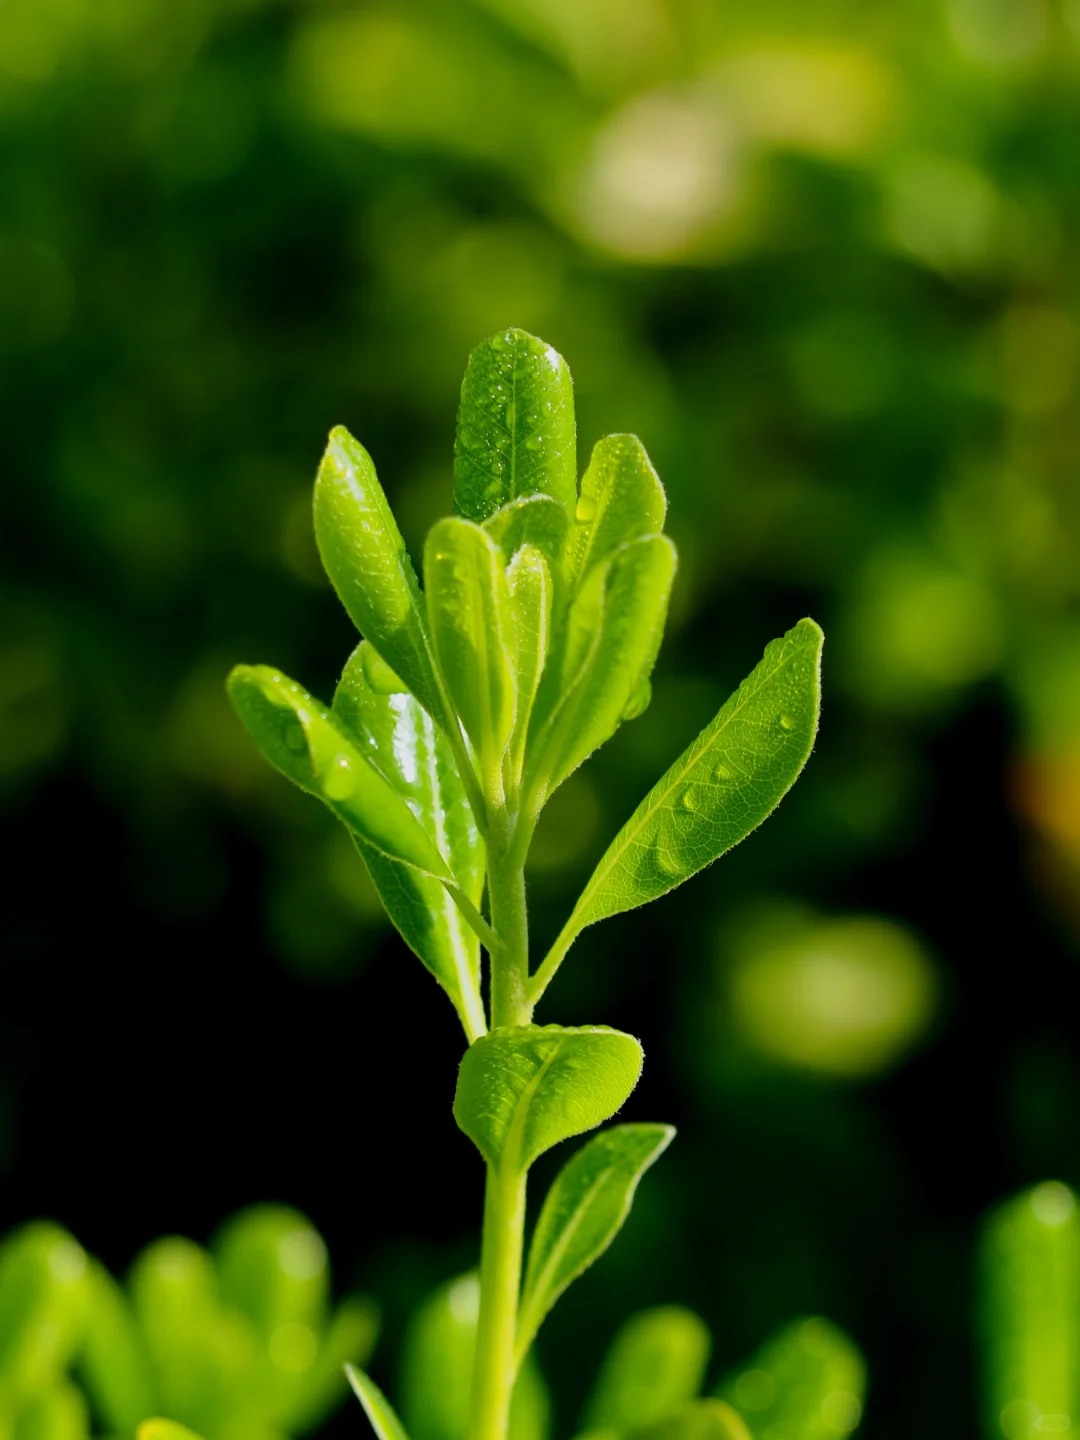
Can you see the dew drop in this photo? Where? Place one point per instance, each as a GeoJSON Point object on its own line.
{"type": "Point", "coordinates": [667, 862]}
{"type": "Point", "coordinates": [295, 739]}
{"type": "Point", "coordinates": [339, 779]}
{"type": "Point", "coordinates": [534, 442]}
{"type": "Point", "coordinates": [500, 342]}
{"type": "Point", "coordinates": [688, 799]}
{"type": "Point", "coordinates": [787, 722]}
{"type": "Point", "coordinates": [493, 490]}
{"type": "Point", "coordinates": [723, 772]}
{"type": "Point", "coordinates": [586, 509]}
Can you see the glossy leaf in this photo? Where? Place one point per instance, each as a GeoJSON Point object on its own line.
{"type": "Point", "coordinates": [113, 1363]}
{"type": "Point", "coordinates": [437, 1364]}
{"type": "Point", "coordinates": [523, 1089]}
{"type": "Point", "coordinates": [472, 636]}
{"type": "Point", "coordinates": [654, 1366]}
{"type": "Point", "coordinates": [808, 1382]}
{"type": "Point", "coordinates": [533, 520]}
{"type": "Point", "coordinates": [396, 734]}
{"type": "Point", "coordinates": [720, 789]}
{"type": "Point", "coordinates": [299, 738]}
{"type": "Point", "coordinates": [365, 557]}
{"type": "Point", "coordinates": [44, 1294]}
{"type": "Point", "coordinates": [515, 429]}
{"type": "Point", "coordinates": [1029, 1302]}
{"type": "Point", "coordinates": [613, 634]}
{"type": "Point", "coordinates": [583, 1212]}
{"type": "Point", "coordinates": [699, 1420]}
{"type": "Point", "coordinates": [529, 580]}
{"type": "Point", "coordinates": [621, 500]}
{"type": "Point", "coordinates": [379, 1411]}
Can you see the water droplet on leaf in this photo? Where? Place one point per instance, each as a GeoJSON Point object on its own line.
{"type": "Point", "coordinates": [586, 509]}
{"type": "Point", "coordinates": [688, 799]}
{"type": "Point", "coordinates": [295, 739]}
{"type": "Point", "coordinates": [787, 722]}
{"type": "Point", "coordinates": [339, 779]}
{"type": "Point", "coordinates": [638, 702]}
{"type": "Point", "coordinates": [667, 862]}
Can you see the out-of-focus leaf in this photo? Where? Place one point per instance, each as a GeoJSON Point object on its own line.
{"type": "Point", "coordinates": [529, 581]}
{"type": "Point", "coordinates": [515, 429]}
{"type": "Point", "coordinates": [621, 500]}
{"type": "Point", "coordinates": [366, 559]}
{"type": "Point", "coordinates": [44, 1292]}
{"type": "Point", "coordinates": [655, 1365]}
{"type": "Point", "coordinates": [299, 738]}
{"type": "Point", "coordinates": [720, 789]}
{"type": "Point", "coordinates": [349, 1340]}
{"type": "Point", "coordinates": [437, 1364]}
{"type": "Point", "coordinates": [58, 1413]}
{"type": "Point", "coordinates": [1029, 1304]}
{"type": "Point", "coordinates": [472, 636]}
{"type": "Point", "coordinates": [533, 520]}
{"type": "Point", "coordinates": [164, 1430]}
{"type": "Point", "coordinates": [582, 1213]}
{"type": "Point", "coordinates": [378, 1409]}
{"type": "Point", "coordinates": [113, 1363]}
{"type": "Point", "coordinates": [397, 735]}
{"type": "Point", "coordinates": [613, 635]}
{"type": "Point", "coordinates": [272, 1266]}
{"type": "Point", "coordinates": [699, 1420]}
{"type": "Point", "coordinates": [523, 1089]}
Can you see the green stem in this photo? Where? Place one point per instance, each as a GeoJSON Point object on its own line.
{"type": "Point", "coordinates": [500, 1282]}
{"type": "Point", "coordinates": [510, 921]}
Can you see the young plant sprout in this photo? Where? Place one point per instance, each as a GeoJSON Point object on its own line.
{"type": "Point", "coordinates": [465, 706]}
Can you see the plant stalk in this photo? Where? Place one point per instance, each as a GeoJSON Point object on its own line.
{"type": "Point", "coordinates": [494, 1367]}
{"type": "Point", "coordinates": [510, 922]}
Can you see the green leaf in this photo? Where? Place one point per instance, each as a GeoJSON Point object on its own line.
{"type": "Point", "coordinates": [583, 1212]}
{"type": "Point", "coordinates": [729, 780]}
{"type": "Point", "coordinates": [523, 1089]}
{"type": "Point", "coordinates": [654, 1366]}
{"type": "Point", "coordinates": [613, 634]}
{"type": "Point", "coordinates": [808, 1382]}
{"type": "Point", "coordinates": [437, 1366]}
{"type": "Point", "coordinates": [398, 736]}
{"type": "Point", "coordinates": [472, 636]}
{"type": "Point", "coordinates": [272, 1267]}
{"type": "Point", "coordinates": [621, 500]}
{"type": "Point", "coordinates": [113, 1363]}
{"type": "Point", "coordinates": [299, 738]}
{"type": "Point", "coordinates": [1029, 1312]}
{"type": "Point", "coordinates": [700, 1420]}
{"type": "Point", "coordinates": [379, 1411]}
{"type": "Point", "coordinates": [58, 1413]}
{"type": "Point", "coordinates": [365, 557]}
{"type": "Point", "coordinates": [44, 1295]}
{"type": "Point", "coordinates": [533, 520]}
{"type": "Point", "coordinates": [515, 429]}
{"type": "Point", "coordinates": [349, 1339]}
{"type": "Point", "coordinates": [529, 581]}
{"type": "Point", "coordinates": [164, 1430]}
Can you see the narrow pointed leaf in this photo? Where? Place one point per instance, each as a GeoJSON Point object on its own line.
{"type": "Point", "coordinates": [472, 636]}
{"type": "Point", "coordinates": [529, 579]}
{"type": "Point", "coordinates": [437, 1366]}
{"type": "Point", "coordinates": [515, 429]}
{"type": "Point", "coordinates": [523, 1089]}
{"type": "Point", "coordinates": [583, 1212]}
{"type": "Point", "coordinates": [613, 635]}
{"type": "Point", "coordinates": [621, 500]}
{"type": "Point", "coordinates": [396, 734]}
{"type": "Point", "coordinates": [699, 1420]}
{"type": "Point", "coordinates": [654, 1366]}
{"type": "Point", "coordinates": [366, 559]}
{"type": "Point", "coordinates": [534, 520]}
{"type": "Point", "coordinates": [1029, 1302]}
{"type": "Point", "coordinates": [720, 789]}
{"type": "Point", "coordinates": [299, 738]}
{"type": "Point", "coordinates": [808, 1382]}
{"type": "Point", "coordinates": [379, 1411]}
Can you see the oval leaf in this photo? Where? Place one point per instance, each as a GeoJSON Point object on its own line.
{"type": "Point", "coordinates": [379, 1411]}
{"type": "Point", "coordinates": [523, 1089]}
{"type": "Point", "coordinates": [365, 557]}
{"type": "Point", "coordinates": [621, 500]}
{"type": "Point", "coordinates": [472, 636]}
{"type": "Point", "coordinates": [515, 428]}
{"type": "Point", "coordinates": [654, 1366]}
{"type": "Point", "coordinates": [45, 1289]}
{"type": "Point", "coordinates": [1029, 1264]}
{"type": "Point", "coordinates": [397, 735]}
{"type": "Point", "coordinates": [701, 1420]}
{"type": "Point", "coordinates": [613, 634]}
{"type": "Point", "coordinates": [534, 520]}
{"type": "Point", "coordinates": [806, 1383]}
{"type": "Point", "coordinates": [720, 789]}
{"type": "Point", "coordinates": [113, 1364]}
{"type": "Point", "coordinates": [296, 734]}
{"type": "Point", "coordinates": [583, 1212]}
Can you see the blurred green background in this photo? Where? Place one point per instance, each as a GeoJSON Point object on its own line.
{"type": "Point", "coordinates": [821, 258]}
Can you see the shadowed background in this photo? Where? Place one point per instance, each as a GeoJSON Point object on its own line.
{"type": "Point", "coordinates": [820, 258]}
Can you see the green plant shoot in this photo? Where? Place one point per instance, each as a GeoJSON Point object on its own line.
{"type": "Point", "coordinates": [463, 708]}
